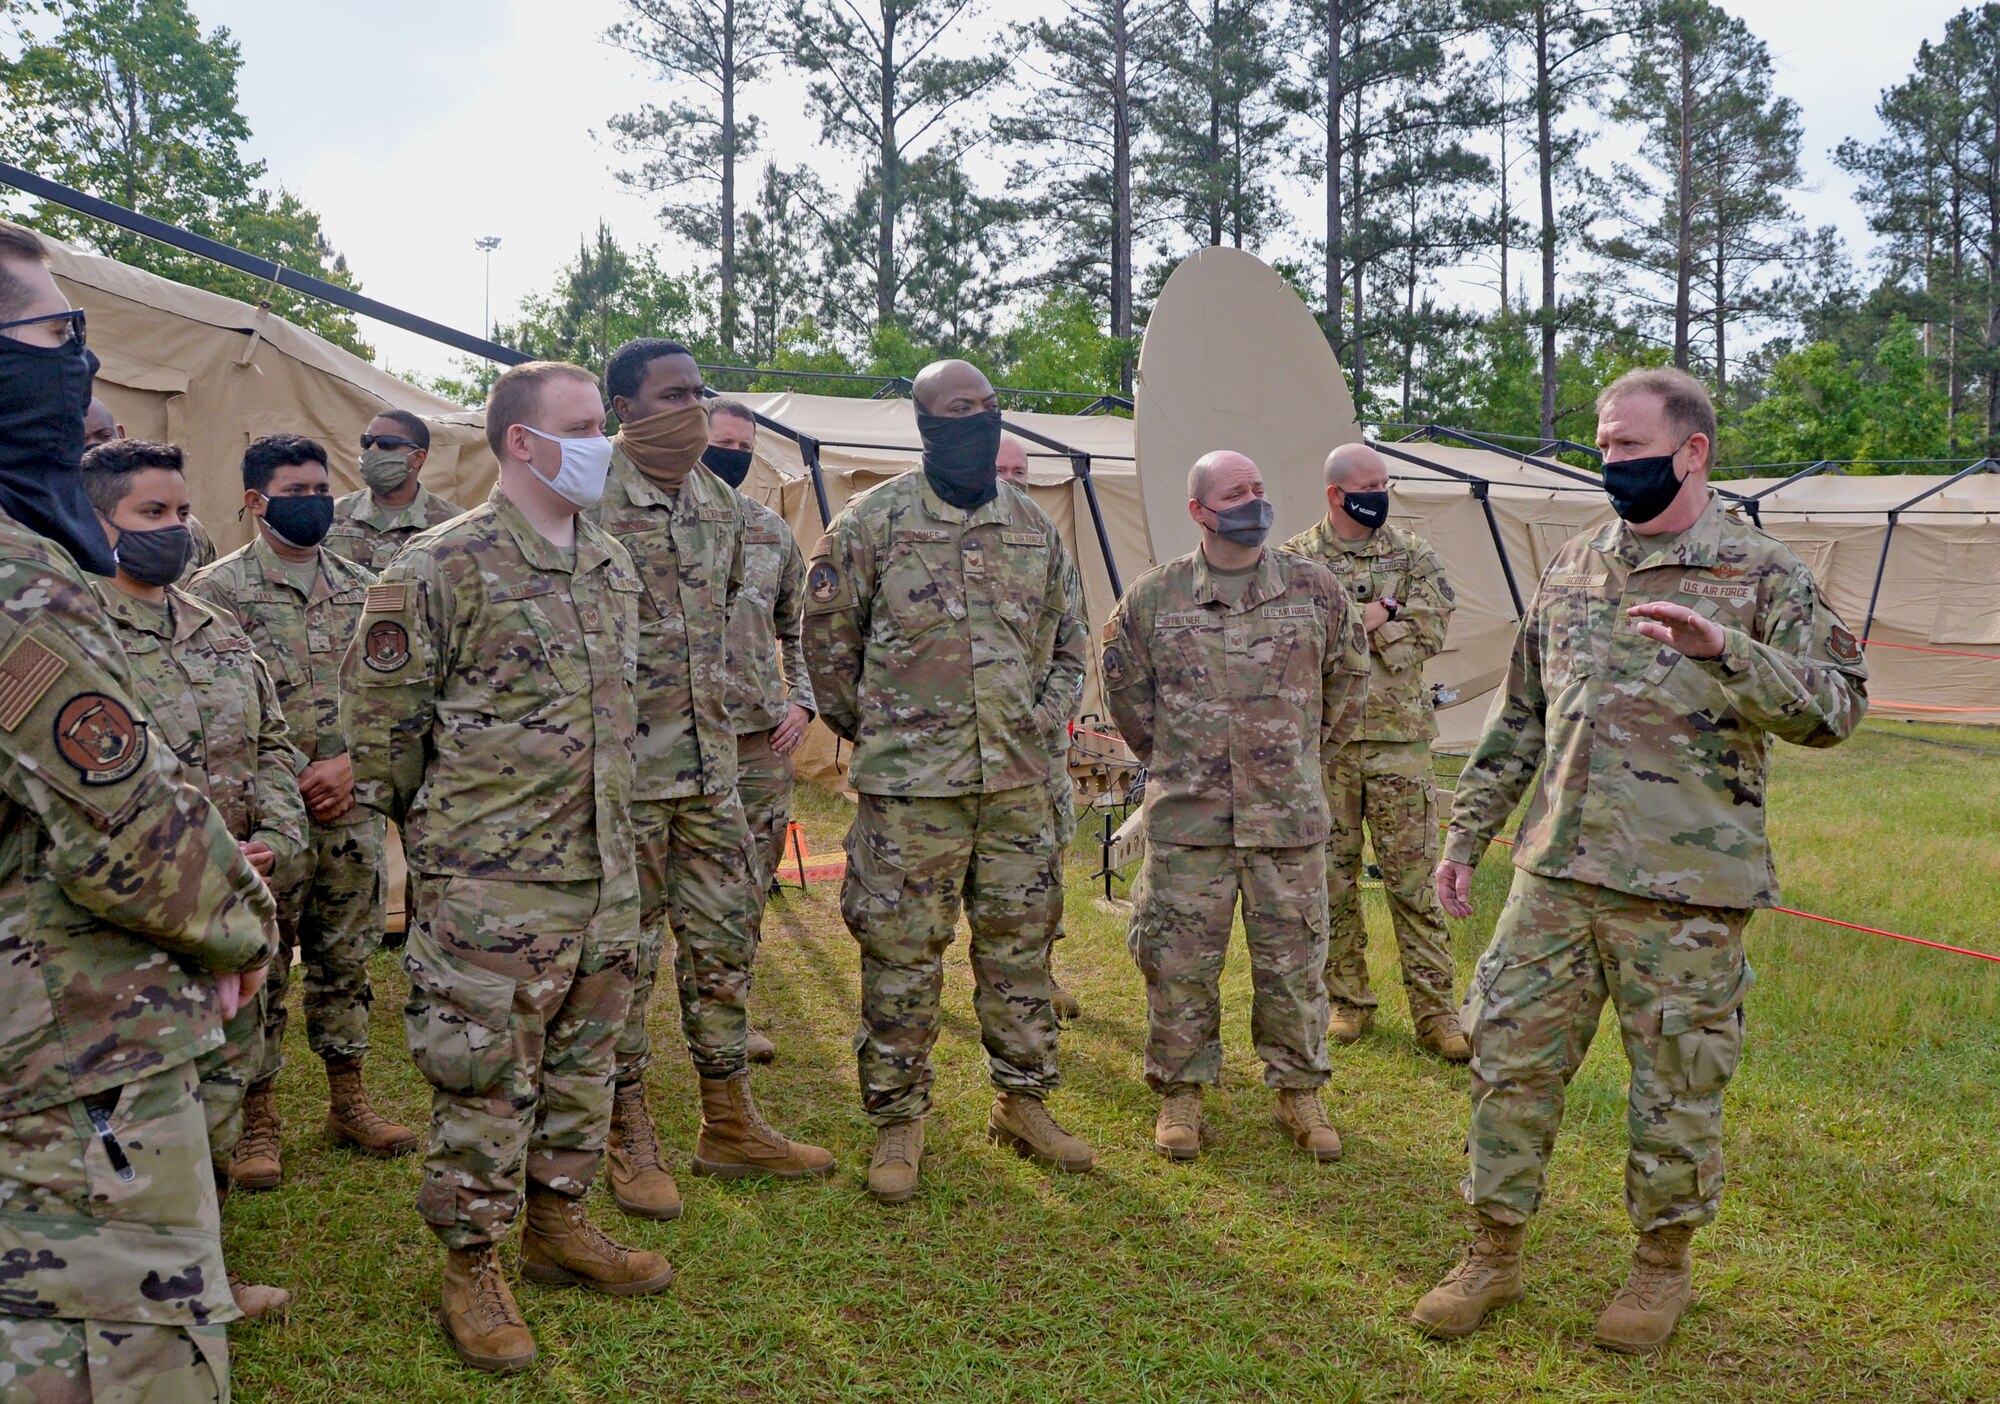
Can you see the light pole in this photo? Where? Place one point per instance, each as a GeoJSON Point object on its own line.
{"type": "Point", "coordinates": [486, 246]}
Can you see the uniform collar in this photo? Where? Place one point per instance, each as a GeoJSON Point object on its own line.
{"type": "Point", "coordinates": [539, 551]}
{"type": "Point", "coordinates": [143, 615]}
{"type": "Point", "coordinates": [698, 489]}
{"type": "Point", "coordinates": [1699, 545]}
{"type": "Point", "coordinates": [415, 513]}
{"type": "Point", "coordinates": [984, 514]}
{"type": "Point", "coordinates": [278, 570]}
{"type": "Point", "coordinates": [1265, 584]}
{"type": "Point", "coordinates": [1375, 543]}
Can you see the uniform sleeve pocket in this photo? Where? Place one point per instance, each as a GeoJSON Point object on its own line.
{"type": "Point", "coordinates": [459, 1018]}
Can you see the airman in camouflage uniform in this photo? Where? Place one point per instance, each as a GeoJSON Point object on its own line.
{"type": "Point", "coordinates": [1013, 468]}
{"type": "Point", "coordinates": [1228, 672]}
{"type": "Point", "coordinates": [300, 615]}
{"type": "Point", "coordinates": [941, 643]}
{"type": "Point", "coordinates": [684, 528]}
{"type": "Point", "coordinates": [128, 914]}
{"type": "Point", "coordinates": [489, 697]}
{"type": "Point", "coordinates": [770, 694]}
{"type": "Point", "coordinates": [1657, 660]}
{"type": "Point", "coordinates": [1398, 584]}
{"type": "Point", "coordinates": [209, 697]}
{"type": "Point", "coordinates": [374, 522]}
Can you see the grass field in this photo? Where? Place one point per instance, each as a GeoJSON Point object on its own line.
{"type": "Point", "coordinates": [1856, 1257]}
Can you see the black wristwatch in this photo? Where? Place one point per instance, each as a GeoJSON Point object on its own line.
{"type": "Point", "coordinates": [1388, 602]}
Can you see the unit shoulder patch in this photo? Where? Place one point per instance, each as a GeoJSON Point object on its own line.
{"type": "Point", "coordinates": [823, 584]}
{"type": "Point", "coordinates": [99, 736]}
{"type": "Point", "coordinates": [386, 646]}
{"type": "Point", "coordinates": [1843, 646]}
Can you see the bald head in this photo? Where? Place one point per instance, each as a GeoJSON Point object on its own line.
{"type": "Point", "coordinates": [1212, 470]}
{"type": "Point", "coordinates": [1012, 461]}
{"type": "Point", "coordinates": [99, 424]}
{"type": "Point", "coordinates": [953, 390]}
{"type": "Point", "coordinates": [1356, 468]}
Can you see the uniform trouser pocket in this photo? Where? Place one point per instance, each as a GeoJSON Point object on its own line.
{"type": "Point", "coordinates": [459, 1018]}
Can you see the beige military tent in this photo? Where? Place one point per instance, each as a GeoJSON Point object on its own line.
{"type": "Point", "coordinates": [211, 373]}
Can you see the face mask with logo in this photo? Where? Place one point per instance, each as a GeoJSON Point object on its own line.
{"type": "Point", "coordinates": [44, 391]}
{"type": "Point", "coordinates": [961, 456]}
{"type": "Point", "coordinates": [155, 557]}
{"type": "Point", "coordinates": [299, 521]}
{"type": "Point", "coordinates": [579, 480]}
{"type": "Point", "coordinates": [666, 446]}
{"type": "Point", "coordinates": [384, 470]}
{"type": "Point", "coordinates": [1371, 509]}
{"type": "Point", "coordinates": [1247, 523]}
{"type": "Point", "coordinates": [1641, 489]}
{"type": "Point", "coordinates": [732, 465]}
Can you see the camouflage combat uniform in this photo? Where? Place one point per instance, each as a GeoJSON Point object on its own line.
{"type": "Point", "coordinates": [330, 900]}
{"type": "Point", "coordinates": [210, 699]}
{"type": "Point", "coordinates": [122, 892]}
{"type": "Point", "coordinates": [370, 534]}
{"type": "Point", "coordinates": [767, 676]}
{"type": "Point", "coordinates": [695, 864]}
{"type": "Point", "coordinates": [488, 693]}
{"type": "Point", "coordinates": [204, 550]}
{"type": "Point", "coordinates": [1062, 789]}
{"type": "Point", "coordinates": [1228, 688]}
{"type": "Point", "coordinates": [1384, 776]}
{"type": "Point", "coordinates": [942, 645]}
{"type": "Point", "coordinates": [1643, 849]}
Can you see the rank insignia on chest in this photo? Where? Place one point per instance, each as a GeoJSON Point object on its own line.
{"type": "Point", "coordinates": [387, 646]}
{"type": "Point", "coordinates": [591, 618]}
{"type": "Point", "coordinates": [100, 737]}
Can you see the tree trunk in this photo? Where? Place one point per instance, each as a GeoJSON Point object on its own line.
{"type": "Point", "coordinates": [1721, 315]}
{"type": "Point", "coordinates": [728, 213]}
{"type": "Point", "coordinates": [1335, 232]}
{"type": "Point", "coordinates": [1213, 191]}
{"type": "Point", "coordinates": [1506, 206]}
{"type": "Point", "coordinates": [1955, 280]}
{"type": "Point", "coordinates": [1684, 216]}
{"type": "Point", "coordinates": [891, 159]}
{"type": "Point", "coordinates": [1121, 188]}
{"type": "Point", "coordinates": [1545, 157]}
{"type": "Point", "coordinates": [1357, 347]}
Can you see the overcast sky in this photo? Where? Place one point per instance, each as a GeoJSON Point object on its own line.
{"type": "Point", "coordinates": [416, 128]}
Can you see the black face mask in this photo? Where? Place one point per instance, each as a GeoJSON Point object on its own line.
{"type": "Point", "coordinates": [1642, 488]}
{"type": "Point", "coordinates": [155, 557]}
{"type": "Point", "coordinates": [1371, 509]}
{"type": "Point", "coordinates": [44, 391]}
{"type": "Point", "coordinates": [960, 456]}
{"type": "Point", "coordinates": [301, 521]}
{"type": "Point", "coordinates": [730, 465]}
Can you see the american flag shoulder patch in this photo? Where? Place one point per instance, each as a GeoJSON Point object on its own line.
{"type": "Point", "coordinates": [387, 599]}
{"type": "Point", "coordinates": [26, 672]}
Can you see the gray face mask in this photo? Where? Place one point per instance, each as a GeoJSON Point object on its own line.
{"type": "Point", "coordinates": [385, 470]}
{"type": "Point", "coordinates": [1247, 523]}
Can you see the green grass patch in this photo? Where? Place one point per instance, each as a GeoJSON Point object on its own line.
{"type": "Point", "coordinates": [1854, 1259]}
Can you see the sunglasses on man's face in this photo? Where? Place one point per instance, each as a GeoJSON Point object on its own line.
{"type": "Point", "coordinates": [387, 441]}
{"type": "Point", "coordinates": [74, 317]}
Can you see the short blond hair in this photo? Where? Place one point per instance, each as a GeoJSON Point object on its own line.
{"type": "Point", "coordinates": [517, 396]}
{"type": "Point", "coordinates": [18, 244]}
{"type": "Point", "coordinates": [1685, 399]}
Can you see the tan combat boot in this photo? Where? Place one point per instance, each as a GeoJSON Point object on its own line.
{"type": "Point", "coordinates": [1441, 1034]}
{"type": "Point", "coordinates": [258, 1302]}
{"type": "Point", "coordinates": [899, 1150]}
{"type": "Point", "coordinates": [1177, 1130]}
{"type": "Point", "coordinates": [758, 1048]}
{"type": "Point", "coordinates": [561, 1247]}
{"type": "Point", "coordinates": [1487, 1277]}
{"type": "Point", "coordinates": [254, 1164]}
{"type": "Point", "coordinates": [640, 1185]}
{"type": "Point", "coordinates": [255, 1301]}
{"type": "Point", "coordinates": [1022, 1122]}
{"type": "Point", "coordinates": [479, 1314]}
{"type": "Point", "coordinates": [352, 1120]}
{"type": "Point", "coordinates": [1299, 1111]}
{"type": "Point", "coordinates": [1349, 1023]}
{"type": "Point", "coordinates": [737, 1143]}
{"type": "Point", "coordinates": [1656, 1292]}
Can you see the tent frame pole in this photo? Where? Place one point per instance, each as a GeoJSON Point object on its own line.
{"type": "Point", "coordinates": [1079, 467]}
{"type": "Point", "coordinates": [1479, 487]}
{"type": "Point", "coordinates": [1984, 465]}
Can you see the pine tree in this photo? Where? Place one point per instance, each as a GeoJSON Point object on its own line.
{"type": "Point", "coordinates": [1218, 123]}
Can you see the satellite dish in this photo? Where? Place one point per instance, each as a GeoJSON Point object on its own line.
{"type": "Point", "coordinates": [1233, 360]}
